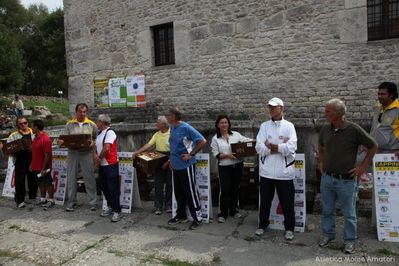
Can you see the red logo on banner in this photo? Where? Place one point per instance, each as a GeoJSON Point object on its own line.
{"type": "Point", "coordinates": [13, 179]}
{"type": "Point", "coordinates": [279, 209]}
{"type": "Point", "coordinates": [55, 180]}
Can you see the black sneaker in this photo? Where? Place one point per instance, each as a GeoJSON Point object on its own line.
{"type": "Point", "coordinates": [48, 205]}
{"type": "Point", "coordinates": [195, 224]}
{"type": "Point", "coordinates": [177, 220]}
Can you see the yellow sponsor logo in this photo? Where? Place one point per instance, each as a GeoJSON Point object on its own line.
{"type": "Point", "coordinates": [125, 160]}
{"type": "Point", "coordinates": [202, 163]}
{"type": "Point", "coordinates": [299, 164]}
{"type": "Point", "coordinates": [393, 234]}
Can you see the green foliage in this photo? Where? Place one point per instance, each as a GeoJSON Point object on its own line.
{"type": "Point", "coordinates": [33, 38]}
{"type": "Point", "coordinates": [11, 62]}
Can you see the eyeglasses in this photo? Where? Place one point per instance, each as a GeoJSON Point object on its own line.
{"type": "Point", "coordinates": [23, 123]}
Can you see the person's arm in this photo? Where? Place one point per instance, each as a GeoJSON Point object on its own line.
{"type": "Point", "coordinates": [142, 149]}
{"type": "Point", "coordinates": [361, 168]}
{"type": "Point", "coordinates": [289, 146]}
{"type": "Point", "coordinates": [22, 105]}
{"type": "Point", "coordinates": [45, 162]}
{"type": "Point", "coordinates": [196, 149]}
{"type": "Point", "coordinates": [321, 158]}
{"type": "Point", "coordinates": [261, 140]}
{"type": "Point", "coordinates": [244, 139]}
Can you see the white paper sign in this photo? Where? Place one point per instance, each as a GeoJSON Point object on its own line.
{"type": "Point", "coordinates": [386, 195]}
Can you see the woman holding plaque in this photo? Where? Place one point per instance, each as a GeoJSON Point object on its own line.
{"type": "Point", "coordinates": [230, 167]}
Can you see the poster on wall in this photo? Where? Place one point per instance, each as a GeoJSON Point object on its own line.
{"type": "Point", "coordinates": [135, 86]}
{"type": "Point", "coordinates": [101, 99]}
{"type": "Point", "coordinates": [386, 195]}
{"type": "Point", "coordinates": [117, 92]}
{"type": "Point", "coordinates": [276, 213]}
{"type": "Point", "coordinates": [58, 174]}
{"type": "Point", "coordinates": [202, 175]}
{"type": "Point", "coordinates": [126, 177]}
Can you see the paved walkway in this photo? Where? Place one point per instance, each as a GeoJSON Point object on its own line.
{"type": "Point", "coordinates": [35, 237]}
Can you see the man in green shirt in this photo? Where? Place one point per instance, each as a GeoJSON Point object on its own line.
{"type": "Point", "coordinates": [338, 145]}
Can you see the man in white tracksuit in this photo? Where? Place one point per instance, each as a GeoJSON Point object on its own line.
{"type": "Point", "coordinates": [276, 144]}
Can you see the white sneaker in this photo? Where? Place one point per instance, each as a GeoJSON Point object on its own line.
{"type": "Point", "coordinates": [116, 217]}
{"type": "Point", "coordinates": [21, 205]}
{"type": "Point", "coordinates": [221, 219]}
{"type": "Point", "coordinates": [259, 232]}
{"type": "Point", "coordinates": [106, 212]}
{"type": "Point", "coordinates": [289, 235]}
{"type": "Point", "coordinates": [237, 215]}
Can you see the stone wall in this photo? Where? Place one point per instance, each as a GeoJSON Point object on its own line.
{"type": "Point", "coordinates": [232, 55]}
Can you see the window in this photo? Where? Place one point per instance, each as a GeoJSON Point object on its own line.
{"type": "Point", "coordinates": [382, 19]}
{"type": "Point", "coordinates": [164, 49]}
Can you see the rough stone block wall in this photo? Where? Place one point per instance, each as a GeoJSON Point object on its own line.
{"type": "Point", "coordinates": [232, 55]}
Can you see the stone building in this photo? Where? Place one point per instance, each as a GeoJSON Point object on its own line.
{"type": "Point", "coordinates": [231, 56]}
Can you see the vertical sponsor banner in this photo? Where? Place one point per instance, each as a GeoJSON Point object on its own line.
{"type": "Point", "coordinates": [126, 177]}
{"type": "Point", "coordinates": [386, 195]}
{"type": "Point", "coordinates": [276, 213]}
{"type": "Point", "coordinates": [9, 188]}
{"type": "Point", "coordinates": [59, 175]}
{"type": "Point", "coordinates": [101, 93]}
{"type": "Point", "coordinates": [135, 87]}
{"type": "Point", "coordinates": [117, 92]}
{"type": "Point", "coordinates": [202, 175]}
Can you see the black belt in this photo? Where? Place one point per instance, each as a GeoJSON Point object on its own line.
{"type": "Point", "coordinates": [341, 176]}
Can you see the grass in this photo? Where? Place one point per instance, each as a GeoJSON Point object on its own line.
{"type": "Point", "coordinates": [117, 253]}
{"type": "Point", "coordinates": [88, 223]}
{"type": "Point", "coordinates": [166, 261]}
{"type": "Point", "coordinates": [55, 105]}
{"type": "Point", "coordinates": [386, 252]}
{"type": "Point", "coordinates": [5, 253]}
{"type": "Point", "coordinates": [17, 227]}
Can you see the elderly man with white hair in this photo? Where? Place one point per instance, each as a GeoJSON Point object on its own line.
{"type": "Point", "coordinates": [106, 158]}
{"type": "Point", "coordinates": [163, 176]}
{"type": "Point", "coordinates": [338, 145]}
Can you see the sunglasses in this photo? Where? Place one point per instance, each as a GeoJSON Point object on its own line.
{"type": "Point", "coordinates": [23, 123]}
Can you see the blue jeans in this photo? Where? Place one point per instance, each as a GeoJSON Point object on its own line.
{"type": "Point", "coordinates": [343, 191]}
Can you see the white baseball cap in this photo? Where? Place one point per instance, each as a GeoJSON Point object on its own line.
{"type": "Point", "coordinates": [275, 102]}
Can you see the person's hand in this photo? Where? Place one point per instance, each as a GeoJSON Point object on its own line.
{"type": "Point", "coordinates": [60, 142]}
{"type": "Point", "coordinates": [91, 143]}
{"type": "Point", "coordinates": [134, 155]}
{"type": "Point", "coordinates": [97, 160]}
{"type": "Point", "coordinates": [43, 172]}
{"type": "Point", "coordinates": [186, 157]}
{"type": "Point", "coordinates": [165, 166]}
{"type": "Point", "coordinates": [358, 170]}
{"type": "Point", "coordinates": [397, 154]}
{"type": "Point", "coordinates": [1, 145]}
{"type": "Point", "coordinates": [30, 168]}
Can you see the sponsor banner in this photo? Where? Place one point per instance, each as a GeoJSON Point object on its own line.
{"type": "Point", "coordinates": [126, 178]}
{"type": "Point", "coordinates": [202, 175]}
{"type": "Point", "coordinates": [135, 87]}
{"type": "Point", "coordinates": [276, 213]}
{"type": "Point", "coordinates": [117, 92]}
{"type": "Point", "coordinates": [9, 183]}
{"type": "Point", "coordinates": [58, 174]}
{"type": "Point", "coordinates": [386, 195]}
{"type": "Point", "coordinates": [101, 99]}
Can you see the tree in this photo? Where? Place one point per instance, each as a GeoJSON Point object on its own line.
{"type": "Point", "coordinates": [11, 62]}
{"type": "Point", "coordinates": [12, 19]}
